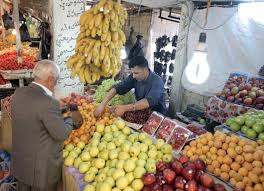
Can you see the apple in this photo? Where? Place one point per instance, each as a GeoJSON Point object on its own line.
{"type": "Point", "coordinates": [160, 166]}
{"type": "Point", "coordinates": [167, 188]}
{"type": "Point", "coordinates": [120, 164]}
{"type": "Point", "coordinates": [183, 159]}
{"type": "Point", "coordinates": [120, 124]}
{"type": "Point", "coordinates": [102, 146]}
{"type": "Point", "coordinates": [191, 186]}
{"type": "Point", "coordinates": [77, 162]}
{"type": "Point", "coordinates": [143, 147]}
{"type": "Point", "coordinates": [160, 179]}
{"type": "Point", "coordinates": [110, 180]}
{"type": "Point", "coordinates": [169, 176]}
{"type": "Point", "coordinates": [166, 149]}
{"type": "Point", "coordinates": [107, 129]}
{"type": "Point", "coordinates": [167, 157]}
{"type": "Point", "coordinates": [123, 156]}
{"type": "Point", "coordinates": [81, 145]}
{"type": "Point", "coordinates": [142, 136]}
{"type": "Point", "coordinates": [137, 184]}
{"type": "Point", "coordinates": [219, 187]}
{"type": "Point", "coordinates": [93, 169]}
{"type": "Point", "coordinates": [177, 166]}
{"type": "Point", "coordinates": [101, 177]}
{"type": "Point", "coordinates": [89, 188]}
{"type": "Point", "coordinates": [130, 177]}
{"type": "Point", "coordinates": [148, 141]}
{"type": "Point", "coordinates": [146, 188]}
{"type": "Point", "coordinates": [129, 165]}
{"type": "Point", "coordinates": [152, 154]}
{"type": "Point", "coordinates": [122, 182]}
{"type": "Point", "coordinates": [198, 174]}
{"type": "Point", "coordinates": [126, 130]}
{"type": "Point", "coordinates": [99, 163]}
{"type": "Point", "coordinates": [139, 172]}
{"type": "Point", "coordinates": [69, 147]}
{"type": "Point", "coordinates": [113, 163]}
{"type": "Point", "coordinates": [113, 154]}
{"type": "Point", "coordinates": [126, 146]}
{"type": "Point", "coordinates": [206, 180]}
{"type": "Point", "coordinates": [188, 173]}
{"type": "Point", "coordinates": [111, 146]}
{"type": "Point", "coordinates": [150, 167]}
{"type": "Point", "coordinates": [180, 182]}
{"type": "Point", "coordinates": [118, 173]}
{"type": "Point", "coordinates": [105, 187]}
{"type": "Point", "coordinates": [143, 156]}
{"type": "Point", "coordinates": [141, 162]}
{"type": "Point", "coordinates": [104, 154]}
{"type": "Point", "coordinates": [84, 167]}
{"type": "Point", "coordinates": [199, 164]}
{"type": "Point", "coordinates": [85, 156]}
{"type": "Point", "coordinates": [65, 153]}
{"type": "Point", "coordinates": [69, 161]}
{"type": "Point", "coordinates": [134, 151]}
{"type": "Point", "coordinates": [107, 137]}
{"type": "Point", "coordinates": [133, 138]}
{"type": "Point", "coordinates": [100, 128]}
{"type": "Point", "coordinates": [149, 179]}
{"type": "Point", "coordinates": [94, 151]}
{"type": "Point", "coordinates": [156, 187]}
{"type": "Point", "coordinates": [110, 172]}
{"type": "Point", "coordinates": [73, 154]}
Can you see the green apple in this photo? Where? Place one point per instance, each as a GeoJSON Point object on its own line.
{"type": "Point", "coordinates": [126, 130]}
{"type": "Point", "coordinates": [69, 147]}
{"type": "Point", "coordinates": [89, 188]}
{"type": "Point", "coordinates": [102, 146]}
{"type": "Point", "coordinates": [84, 167]}
{"type": "Point", "coordinates": [100, 128]}
{"type": "Point", "coordinates": [139, 172]}
{"type": "Point", "coordinates": [107, 129]}
{"type": "Point", "coordinates": [141, 162]}
{"type": "Point", "coordinates": [166, 149]}
{"type": "Point", "coordinates": [129, 165]}
{"type": "Point", "coordinates": [107, 137]}
{"type": "Point", "coordinates": [130, 177]}
{"type": "Point", "coordinates": [113, 163]}
{"type": "Point", "coordinates": [137, 184]}
{"type": "Point", "coordinates": [152, 147]}
{"type": "Point", "coordinates": [150, 160]}
{"type": "Point", "coordinates": [114, 128]}
{"type": "Point", "coordinates": [128, 188]}
{"type": "Point", "coordinates": [122, 182]}
{"type": "Point", "coordinates": [142, 136]}
{"type": "Point", "coordinates": [111, 146]}
{"type": "Point", "coordinates": [85, 156]}
{"type": "Point", "coordinates": [99, 163]}
{"type": "Point", "coordinates": [143, 156]}
{"type": "Point", "coordinates": [101, 177]}
{"type": "Point", "coordinates": [69, 161]}
{"type": "Point", "coordinates": [105, 169]}
{"type": "Point", "coordinates": [136, 144]}
{"type": "Point", "coordinates": [77, 162]}
{"type": "Point", "coordinates": [94, 151]}
{"type": "Point", "coordinates": [118, 142]}
{"type": "Point", "coordinates": [167, 157]}
{"type": "Point", "coordinates": [116, 189]}
{"type": "Point", "coordinates": [152, 154]}
{"type": "Point", "coordinates": [133, 138]}
{"type": "Point", "coordinates": [81, 145]}
{"type": "Point", "coordinates": [110, 180]}
{"type": "Point", "coordinates": [126, 146]}
{"type": "Point", "coordinates": [110, 172]}
{"type": "Point", "coordinates": [134, 151]}
{"type": "Point", "coordinates": [89, 177]}
{"type": "Point", "coordinates": [118, 173]}
{"type": "Point", "coordinates": [117, 133]}
{"type": "Point", "coordinates": [105, 187]}
{"type": "Point", "coordinates": [159, 155]}
{"type": "Point", "coordinates": [123, 156]}
{"type": "Point", "coordinates": [77, 150]}
{"type": "Point", "coordinates": [135, 159]}
{"type": "Point", "coordinates": [97, 135]}
{"type": "Point", "coordinates": [65, 153]}
{"type": "Point", "coordinates": [151, 167]}
{"type": "Point", "coordinates": [159, 143]}
{"type": "Point", "coordinates": [148, 141]}
{"type": "Point", "coordinates": [143, 147]}
{"type": "Point", "coordinates": [113, 154]}
{"type": "Point", "coordinates": [120, 164]}
{"type": "Point", "coordinates": [73, 154]}
{"type": "Point", "coordinates": [122, 136]}
{"type": "Point", "coordinates": [104, 154]}
{"type": "Point", "coordinates": [93, 169]}
{"type": "Point", "coordinates": [120, 124]}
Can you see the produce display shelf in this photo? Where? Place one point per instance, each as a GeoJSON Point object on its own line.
{"type": "Point", "coordinates": [16, 74]}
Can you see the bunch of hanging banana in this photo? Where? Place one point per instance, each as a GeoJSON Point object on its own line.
{"type": "Point", "coordinates": [99, 43]}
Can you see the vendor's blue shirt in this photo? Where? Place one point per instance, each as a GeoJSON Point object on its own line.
{"type": "Point", "coordinates": [152, 89]}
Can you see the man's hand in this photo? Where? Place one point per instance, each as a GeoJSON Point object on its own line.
{"type": "Point", "coordinates": [99, 110]}
{"type": "Point", "coordinates": [77, 119]}
{"type": "Point", "coordinates": [119, 110]}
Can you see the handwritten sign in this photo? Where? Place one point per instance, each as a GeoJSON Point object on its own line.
{"type": "Point", "coordinates": [66, 15]}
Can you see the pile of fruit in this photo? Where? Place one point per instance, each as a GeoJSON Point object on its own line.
{"type": "Point", "coordinates": [231, 158]}
{"type": "Point", "coordinates": [251, 124]}
{"type": "Point", "coordinates": [86, 108]}
{"type": "Point", "coordinates": [138, 117]}
{"type": "Point", "coordinates": [116, 158]}
{"type": "Point", "coordinates": [8, 61]}
{"type": "Point", "coordinates": [98, 46]}
{"type": "Point", "coordinates": [180, 174]}
{"type": "Point", "coordinates": [4, 45]}
{"type": "Point", "coordinates": [104, 88]}
{"type": "Point", "coordinates": [249, 93]}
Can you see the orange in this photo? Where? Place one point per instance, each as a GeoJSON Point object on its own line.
{"type": "Point", "coordinates": [215, 164]}
{"type": "Point", "coordinates": [240, 185]}
{"type": "Point", "coordinates": [258, 155]}
{"type": "Point", "coordinates": [220, 159]}
{"type": "Point", "coordinates": [243, 171]}
{"type": "Point", "coordinates": [225, 146]}
{"type": "Point", "coordinates": [233, 181]}
{"type": "Point", "coordinates": [221, 152]}
{"type": "Point", "coordinates": [237, 177]}
{"type": "Point", "coordinates": [210, 144]}
{"type": "Point", "coordinates": [213, 150]}
{"type": "Point", "coordinates": [227, 160]}
{"type": "Point", "coordinates": [240, 159]}
{"type": "Point", "coordinates": [247, 181]}
{"type": "Point", "coordinates": [242, 142]}
{"type": "Point", "coordinates": [232, 145]}
{"type": "Point", "coordinates": [199, 152]}
{"type": "Point", "coordinates": [217, 144]}
{"type": "Point", "coordinates": [239, 149]}
{"type": "Point", "coordinates": [225, 168]}
{"type": "Point", "coordinates": [217, 172]}
{"type": "Point", "coordinates": [210, 168]}
{"type": "Point", "coordinates": [224, 176]}
{"type": "Point", "coordinates": [248, 157]}
{"type": "Point", "coordinates": [205, 149]}
{"type": "Point", "coordinates": [235, 166]}
{"type": "Point", "coordinates": [234, 139]}
{"type": "Point", "coordinates": [214, 157]}
{"type": "Point", "coordinates": [257, 171]}
{"type": "Point", "coordinates": [253, 177]}
{"type": "Point", "coordinates": [247, 166]}
{"type": "Point", "coordinates": [231, 152]}
{"type": "Point", "coordinates": [193, 143]}
{"type": "Point", "coordinates": [249, 188]}
{"type": "Point", "coordinates": [257, 164]}
{"type": "Point", "coordinates": [258, 187]}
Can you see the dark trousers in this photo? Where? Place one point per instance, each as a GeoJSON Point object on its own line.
{"type": "Point", "coordinates": [25, 187]}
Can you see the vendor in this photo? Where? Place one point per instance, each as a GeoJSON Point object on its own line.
{"type": "Point", "coordinates": [149, 90]}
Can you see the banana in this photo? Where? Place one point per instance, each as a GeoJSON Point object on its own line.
{"type": "Point", "coordinates": [87, 75]}
{"type": "Point", "coordinates": [72, 60]}
{"type": "Point", "coordinates": [98, 19]}
{"type": "Point", "coordinates": [81, 74]}
{"type": "Point", "coordinates": [102, 52]}
{"type": "Point", "coordinates": [95, 9]}
{"type": "Point", "coordinates": [115, 36]}
{"type": "Point", "coordinates": [112, 15]}
{"type": "Point", "coordinates": [93, 33]}
{"type": "Point", "coordinates": [101, 3]}
{"type": "Point", "coordinates": [89, 58]}
{"type": "Point", "coordinates": [91, 23]}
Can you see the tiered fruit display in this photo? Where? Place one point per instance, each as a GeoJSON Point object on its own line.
{"type": "Point", "coordinates": [86, 108]}
{"type": "Point", "coordinates": [181, 174]}
{"type": "Point", "coordinates": [98, 46]}
{"type": "Point", "coordinates": [250, 93]}
{"type": "Point", "coordinates": [104, 88]}
{"type": "Point", "coordinates": [116, 158]}
{"type": "Point", "coordinates": [231, 158]}
{"type": "Point", "coordinates": [250, 124]}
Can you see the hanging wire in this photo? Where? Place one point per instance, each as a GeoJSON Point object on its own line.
{"type": "Point", "coordinates": [139, 9]}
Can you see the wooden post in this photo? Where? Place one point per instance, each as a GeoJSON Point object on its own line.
{"type": "Point", "coordinates": [2, 22]}
{"type": "Point", "coordinates": [181, 59]}
{"type": "Point", "coordinates": [18, 37]}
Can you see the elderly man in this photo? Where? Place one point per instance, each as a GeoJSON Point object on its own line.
{"type": "Point", "coordinates": [38, 131]}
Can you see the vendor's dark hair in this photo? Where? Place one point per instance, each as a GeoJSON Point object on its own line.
{"type": "Point", "coordinates": [139, 61]}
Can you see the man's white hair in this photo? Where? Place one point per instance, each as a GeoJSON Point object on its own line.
{"type": "Point", "coordinates": [44, 69]}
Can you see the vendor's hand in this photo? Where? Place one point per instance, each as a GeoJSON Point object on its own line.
{"type": "Point", "coordinates": [77, 119]}
{"type": "Point", "coordinates": [119, 110]}
{"type": "Point", "coordinates": [99, 110]}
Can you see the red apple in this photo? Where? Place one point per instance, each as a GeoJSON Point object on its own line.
{"type": "Point", "coordinates": [167, 188]}
{"type": "Point", "coordinates": [206, 180]}
{"type": "Point", "coordinates": [169, 176]}
{"type": "Point", "coordinates": [219, 187]}
{"type": "Point", "coordinates": [180, 182]}
{"type": "Point", "coordinates": [161, 166]}
{"type": "Point", "coordinates": [243, 93]}
{"type": "Point", "coordinates": [176, 166]}
{"type": "Point", "coordinates": [248, 87]}
{"type": "Point", "coordinates": [183, 159]}
{"type": "Point", "coordinates": [156, 187]}
{"type": "Point", "coordinates": [199, 164]}
{"type": "Point", "coordinates": [149, 179]}
{"type": "Point", "coordinates": [188, 173]}
{"type": "Point", "coordinates": [201, 188]}
{"type": "Point", "coordinates": [189, 164]}
{"type": "Point", "coordinates": [198, 174]}
{"type": "Point", "coordinates": [191, 186]}
{"type": "Point", "coordinates": [146, 188]}
{"type": "Point", "coordinates": [160, 180]}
